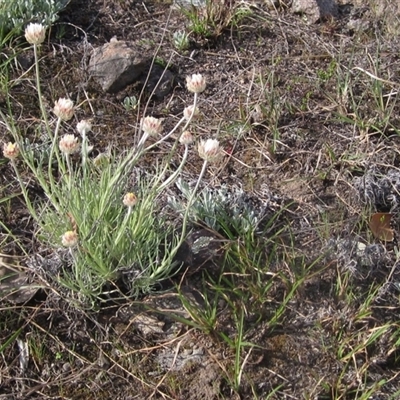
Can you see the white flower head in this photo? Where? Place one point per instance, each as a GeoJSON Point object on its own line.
{"type": "Point", "coordinates": [196, 83]}
{"type": "Point", "coordinates": [35, 33]}
{"type": "Point", "coordinates": [186, 138]}
{"type": "Point", "coordinates": [84, 127]}
{"type": "Point", "coordinates": [130, 199]}
{"type": "Point", "coordinates": [151, 126]}
{"type": "Point", "coordinates": [64, 109]}
{"type": "Point", "coordinates": [69, 239]}
{"type": "Point", "coordinates": [69, 144]}
{"type": "Point", "coordinates": [189, 110]}
{"type": "Point", "coordinates": [209, 150]}
{"type": "Point", "coordinates": [11, 150]}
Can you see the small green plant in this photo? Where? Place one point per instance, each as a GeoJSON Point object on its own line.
{"type": "Point", "coordinates": [210, 18]}
{"type": "Point", "coordinates": [104, 211]}
{"type": "Point", "coordinates": [325, 74]}
{"type": "Point", "coordinates": [363, 97]}
{"type": "Point", "coordinates": [180, 40]}
{"type": "Point", "coordinates": [274, 104]}
{"type": "Point", "coordinates": [130, 103]}
{"type": "Point", "coordinates": [225, 211]}
{"type": "Point", "coordinates": [15, 14]}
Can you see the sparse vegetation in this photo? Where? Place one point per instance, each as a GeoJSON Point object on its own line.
{"type": "Point", "coordinates": [240, 243]}
{"type": "Point", "coordinates": [15, 14]}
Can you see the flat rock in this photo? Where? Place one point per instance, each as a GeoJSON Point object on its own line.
{"type": "Point", "coordinates": [314, 10]}
{"type": "Point", "coordinates": [117, 64]}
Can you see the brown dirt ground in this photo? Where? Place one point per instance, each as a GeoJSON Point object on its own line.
{"type": "Point", "coordinates": [276, 61]}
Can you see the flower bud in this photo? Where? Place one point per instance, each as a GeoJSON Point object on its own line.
{"type": "Point", "coordinates": [130, 199]}
{"type": "Point", "coordinates": [69, 144]}
{"type": "Point", "coordinates": [196, 83]}
{"type": "Point", "coordinates": [186, 138]}
{"type": "Point", "coordinates": [188, 111]}
{"type": "Point", "coordinates": [11, 150]}
{"type": "Point", "coordinates": [35, 33]}
{"type": "Point", "coordinates": [69, 239]}
{"type": "Point", "coordinates": [84, 127]}
{"type": "Point", "coordinates": [151, 126]}
{"type": "Point", "coordinates": [209, 150]}
{"type": "Point", "coordinates": [64, 109]}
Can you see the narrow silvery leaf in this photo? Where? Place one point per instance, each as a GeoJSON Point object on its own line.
{"type": "Point", "coordinates": [23, 354]}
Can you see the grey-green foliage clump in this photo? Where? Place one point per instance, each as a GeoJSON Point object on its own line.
{"type": "Point", "coordinates": [15, 14]}
{"type": "Point", "coordinates": [232, 212]}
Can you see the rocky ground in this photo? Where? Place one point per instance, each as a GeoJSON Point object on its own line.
{"type": "Point", "coordinates": [305, 102]}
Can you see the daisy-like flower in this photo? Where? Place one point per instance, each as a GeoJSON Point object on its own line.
{"type": "Point", "coordinates": [35, 33]}
{"type": "Point", "coordinates": [84, 127]}
{"type": "Point", "coordinates": [209, 150]}
{"type": "Point", "coordinates": [130, 199]}
{"type": "Point", "coordinates": [10, 150]}
{"type": "Point", "coordinates": [64, 109]}
{"type": "Point", "coordinates": [186, 138]}
{"type": "Point", "coordinates": [69, 144]}
{"type": "Point", "coordinates": [151, 126]}
{"type": "Point", "coordinates": [196, 83]}
{"type": "Point", "coordinates": [69, 239]}
{"type": "Point", "coordinates": [187, 112]}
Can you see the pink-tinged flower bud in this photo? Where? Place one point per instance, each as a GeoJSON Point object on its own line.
{"type": "Point", "coordinates": [186, 138]}
{"type": "Point", "coordinates": [188, 111]}
{"type": "Point", "coordinates": [196, 83]}
{"type": "Point", "coordinates": [130, 199]}
{"type": "Point", "coordinates": [69, 144]}
{"type": "Point", "coordinates": [151, 126]}
{"type": "Point", "coordinates": [209, 150]}
{"type": "Point", "coordinates": [64, 109]}
{"type": "Point", "coordinates": [35, 33]}
{"type": "Point", "coordinates": [69, 239]}
{"type": "Point", "coordinates": [84, 127]}
{"type": "Point", "coordinates": [11, 150]}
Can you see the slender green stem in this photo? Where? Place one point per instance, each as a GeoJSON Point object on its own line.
{"type": "Point", "coordinates": [53, 151]}
{"type": "Point", "coordinates": [122, 227]}
{"type": "Point", "coordinates": [84, 154]}
{"type": "Point", "coordinates": [182, 238]}
{"type": "Point", "coordinates": [141, 142]}
{"type": "Point", "coordinates": [176, 173]}
{"type": "Point", "coordinates": [190, 202]}
{"type": "Point", "coordinates": [70, 172]}
{"type": "Point", "coordinates": [177, 126]}
{"type": "Point", "coordinates": [24, 192]}
{"type": "Point", "coordinates": [39, 91]}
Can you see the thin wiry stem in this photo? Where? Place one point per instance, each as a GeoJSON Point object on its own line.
{"type": "Point", "coordinates": [39, 91]}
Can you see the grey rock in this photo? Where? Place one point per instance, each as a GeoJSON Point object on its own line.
{"type": "Point", "coordinates": [314, 10]}
{"type": "Point", "coordinates": [117, 64]}
{"type": "Point", "coordinates": [160, 82]}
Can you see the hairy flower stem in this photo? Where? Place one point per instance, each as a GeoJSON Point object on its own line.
{"type": "Point", "coordinates": [172, 178]}
{"type": "Point", "coordinates": [70, 172]}
{"type": "Point", "coordinates": [84, 154]}
{"type": "Point", "coordinates": [176, 173]}
{"type": "Point", "coordinates": [52, 152]}
{"type": "Point", "coordinates": [24, 191]}
{"type": "Point", "coordinates": [189, 205]}
{"type": "Point", "coordinates": [177, 126]}
{"type": "Point", "coordinates": [39, 91]}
